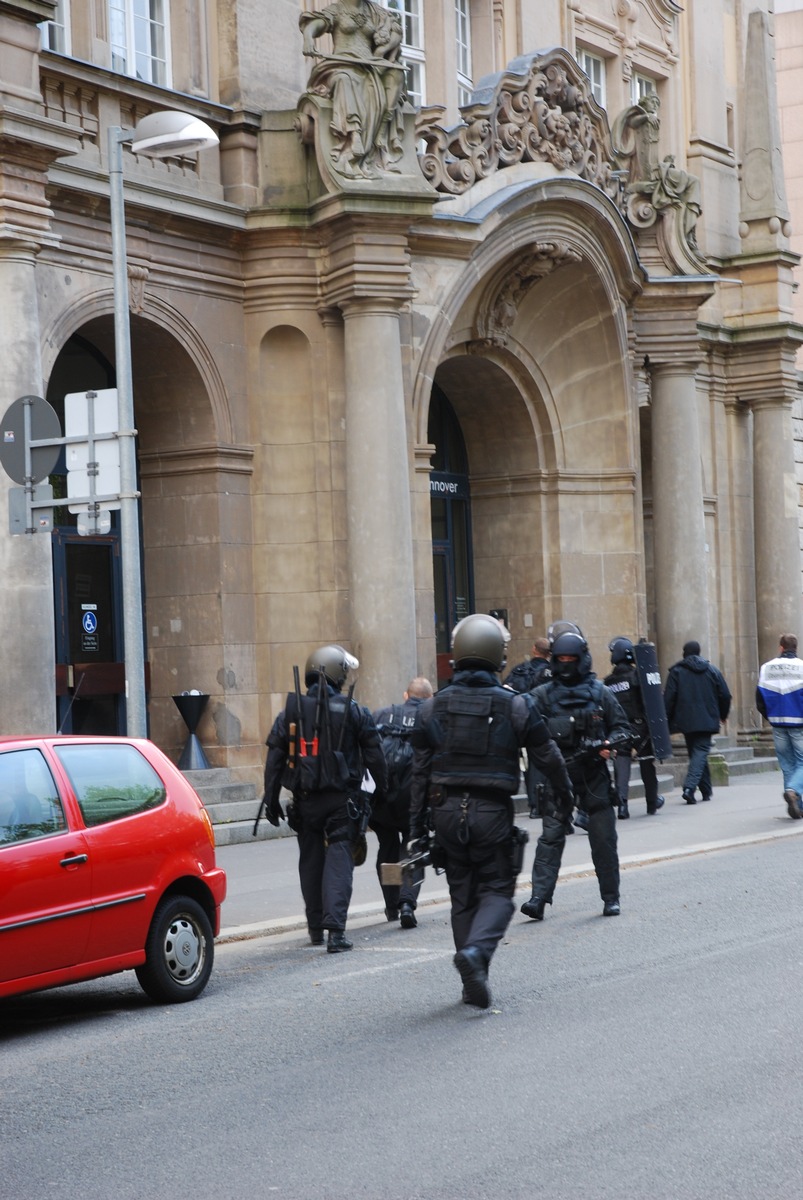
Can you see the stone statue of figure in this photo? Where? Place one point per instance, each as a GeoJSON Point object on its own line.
{"type": "Point", "coordinates": [635, 138]}
{"type": "Point", "coordinates": [364, 79]}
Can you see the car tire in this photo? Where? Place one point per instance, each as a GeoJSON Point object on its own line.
{"type": "Point", "coordinates": [179, 951]}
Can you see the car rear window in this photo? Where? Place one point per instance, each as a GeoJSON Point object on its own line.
{"type": "Point", "coordinates": [111, 782]}
{"type": "Point", "coordinates": [30, 806]}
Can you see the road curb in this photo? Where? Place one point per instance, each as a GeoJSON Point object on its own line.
{"type": "Point", "coordinates": [365, 914]}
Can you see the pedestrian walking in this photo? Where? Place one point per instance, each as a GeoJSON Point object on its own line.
{"type": "Point", "coordinates": [779, 698]}
{"type": "Point", "coordinates": [390, 809]}
{"type": "Point", "coordinates": [523, 678]}
{"type": "Point", "coordinates": [317, 748]}
{"type": "Point", "coordinates": [697, 700]}
{"type": "Point", "coordinates": [624, 682]}
{"type": "Point", "coordinates": [587, 722]}
{"type": "Point", "coordinates": [466, 744]}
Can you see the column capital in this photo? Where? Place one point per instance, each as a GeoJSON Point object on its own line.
{"type": "Point", "coordinates": [367, 259]}
{"type": "Point", "coordinates": [665, 319]}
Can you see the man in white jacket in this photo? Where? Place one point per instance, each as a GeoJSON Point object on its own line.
{"type": "Point", "coordinates": [779, 698]}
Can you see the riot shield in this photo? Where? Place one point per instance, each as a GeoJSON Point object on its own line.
{"type": "Point", "coordinates": [652, 695]}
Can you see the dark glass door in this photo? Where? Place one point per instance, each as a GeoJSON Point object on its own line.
{"type": "Point", "coordinates": [90, 674]}
{"type": "Point", "coordinates": [450, 505]}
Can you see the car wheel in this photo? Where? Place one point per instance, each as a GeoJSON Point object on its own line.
{"type": "Point", "coordinates": [179, 951]}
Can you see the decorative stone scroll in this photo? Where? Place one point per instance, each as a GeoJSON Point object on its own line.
{"type": "Point", "coordinates": [538, 110]}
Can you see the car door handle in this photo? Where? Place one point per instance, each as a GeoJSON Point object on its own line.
{"type": "Point", "coordinates": [74, 860]}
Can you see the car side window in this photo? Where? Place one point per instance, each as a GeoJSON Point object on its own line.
{"type": "Point", "coordinates": [30, 805]}
{"type": "Point", "coordinates": [111, 781]}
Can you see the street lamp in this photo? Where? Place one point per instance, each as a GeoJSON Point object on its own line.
{"type": "Point", "coordinates": [158, 135]}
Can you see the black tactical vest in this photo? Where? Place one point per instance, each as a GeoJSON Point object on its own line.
{"type": "Point", "coordinates": [479, 747]}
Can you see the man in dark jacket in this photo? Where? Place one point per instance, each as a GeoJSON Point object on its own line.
{"type": "Point", "coordinates": [390, 809]}
{"type": "Point", "coordinates": [317, 748]}
{"type": "Point", "coordinates": [524, 678]}
{"type": "Point", "coordinates": [527, 675]}
{"type": "Point", "coordinates": [697, 701]}
{"type": "Point", "coordinates": [466, 744]}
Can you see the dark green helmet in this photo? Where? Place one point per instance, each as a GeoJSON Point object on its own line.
{"type": "Point", "coordinates": [334, 661]}
{"type": "Point", "coordinates": [479, 641]}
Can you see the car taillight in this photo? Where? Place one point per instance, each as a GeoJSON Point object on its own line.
{"type": "Point", "coordinates": [209, 826]}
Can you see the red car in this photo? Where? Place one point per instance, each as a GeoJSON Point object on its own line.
{"type": "Point", "coordinates": [107, 863]}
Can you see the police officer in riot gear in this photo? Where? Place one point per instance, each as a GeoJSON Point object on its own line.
{"type": "Point", "coordinates": [624, 682]}
{"type": "Point", "coordinates": [466, 744]}
{"type": "Point", "coordinates": [316, 748]}
{"type": "Point", "coordinates": [586, 721]}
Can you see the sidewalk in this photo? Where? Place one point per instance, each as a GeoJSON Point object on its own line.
{"type": "Point", "coordinates": [264, 895]}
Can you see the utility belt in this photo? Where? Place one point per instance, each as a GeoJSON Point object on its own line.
{"type": "Point", "coordinates": [439, 792]}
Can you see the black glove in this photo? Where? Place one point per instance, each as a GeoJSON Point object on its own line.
{"type": "Point", "coordinates": [274, 812]}
{"type": "Point", "coordinates": [416, 844]}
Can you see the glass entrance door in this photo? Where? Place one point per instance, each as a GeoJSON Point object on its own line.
{"type": "Point", "coordinates": [90, 673]}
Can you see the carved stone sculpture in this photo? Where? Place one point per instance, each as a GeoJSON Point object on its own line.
{"type": "Point", "coordinates": [500, 306]}
{"type": "Point", "coordinates": [364, 81]}
{"type": "Point", "coordinates": [653, 185]}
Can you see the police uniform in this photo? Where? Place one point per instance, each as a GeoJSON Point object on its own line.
{"type": "Point", "coordinates": [579, 711]}
{"type": "Point", "coordinates": [391, 821]}
{"type": "Point", "coordinates": [326, 814]}
{"type": "Point", "coordinates": [466, 744]}
{"type": "Point", "coordinates": [626, 687]}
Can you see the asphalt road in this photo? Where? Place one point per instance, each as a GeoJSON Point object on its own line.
{"type": "Point", "coordinates": [651, 1055]}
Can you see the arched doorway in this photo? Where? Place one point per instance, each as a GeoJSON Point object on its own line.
{"type": "Point", "coordinates": [184, 492]}
{"type": "Point", "coordinates": [90, 676]}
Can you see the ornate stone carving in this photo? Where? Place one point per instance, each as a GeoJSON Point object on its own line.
{"type": "Point", "coordinates": [501, 305]}
{"type": "Point", "coordinates": [654, 186]}
{"type": "Point", "coordinates": [538, 110]}
{"type": "Point", "coordinates": [364, 80]}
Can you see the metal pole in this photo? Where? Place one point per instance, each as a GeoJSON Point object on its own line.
{"type": "Point", "coordinates": [133, 633]}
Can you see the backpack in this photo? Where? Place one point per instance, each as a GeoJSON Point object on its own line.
{"type": "Point", "coordinates": [398, 750]}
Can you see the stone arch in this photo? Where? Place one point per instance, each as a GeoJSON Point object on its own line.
{"type": "Point", "coordinates": [531, 345]}
{"type": "Point", "coordinates": [156, 320]}
{"type": "Point", "coordinates": [556, 209]}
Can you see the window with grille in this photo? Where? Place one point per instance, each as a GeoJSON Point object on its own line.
{"type": "Point", "coordinates": [594, 67]}
{"type": "Point", "coordinates": [56, 31]}
{"type": "Point", "coordinates": [139, 34]}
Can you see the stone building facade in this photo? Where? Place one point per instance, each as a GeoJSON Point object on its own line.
{"type": "Point", "coordinates": [479, 304]}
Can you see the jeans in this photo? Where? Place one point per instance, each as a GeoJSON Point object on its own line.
{"type": "Point", "coordinates": [699, 748]}
{"type": "Point", "coordinates": [788, 741]}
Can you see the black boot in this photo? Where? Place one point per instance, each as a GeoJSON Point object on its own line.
{"type": "Point", "coordinates": [338, 942]}
{"type": "Point", "coordinates": [624, 811]}
{"type": "Point", "coordinates": [316, 936]}
{"type": "Point", "coordinates": [688, 795]}
{"type": "Point", "coordinates": [470, 962]}
{"type": "Point", "coordinates": [407, 915]}
{"type": "Point", "coordinates": [534, 908]}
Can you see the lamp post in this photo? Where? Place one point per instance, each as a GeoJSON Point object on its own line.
{"type": "Point", "coordinates": [159, 135]}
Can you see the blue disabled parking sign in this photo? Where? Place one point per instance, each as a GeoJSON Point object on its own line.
{"type": "Point", "coordinates": [89, 622]}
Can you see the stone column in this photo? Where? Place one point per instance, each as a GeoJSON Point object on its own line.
{"type": "Point", "coordinates": [776, 518]}
{"type": "Point", "coordinates": [378, 502]}
{"type": "Point", "coordinates": [681, 567]}
{"type": "Point", "coordinates": [26, 614]}
{"type": "Point", "coordinates": [29, 142]}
